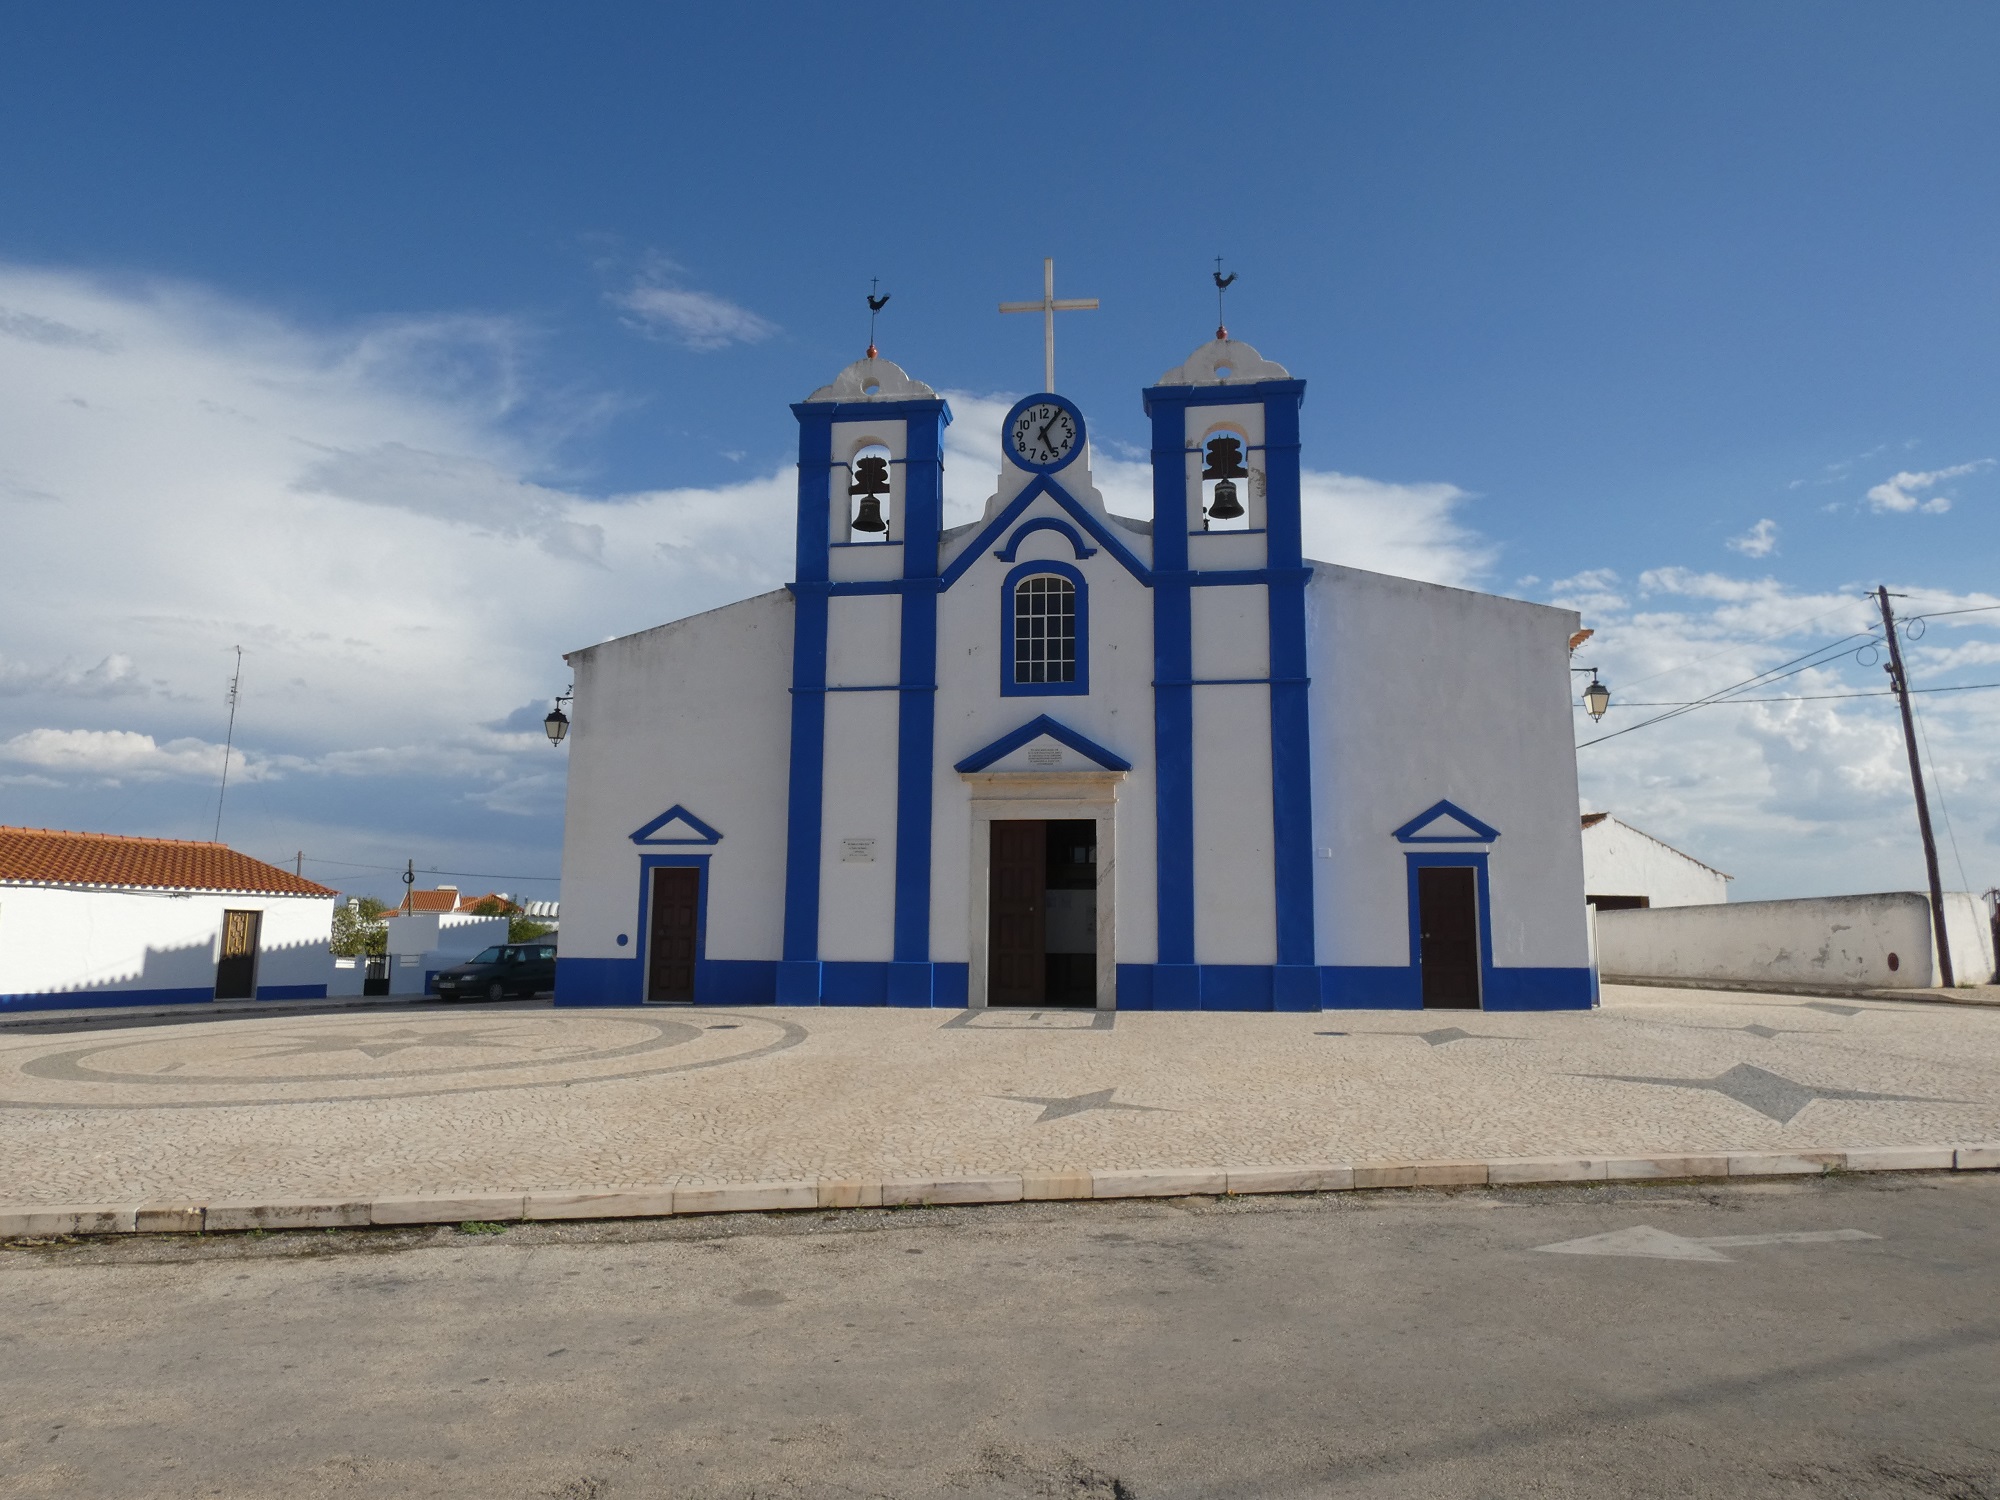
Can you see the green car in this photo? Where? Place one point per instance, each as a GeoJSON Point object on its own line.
{"type": "Point", "coordinates": [500, 971]}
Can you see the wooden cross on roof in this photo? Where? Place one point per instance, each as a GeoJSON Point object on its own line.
{"type": "Point", "coordinates": [1048, 307]}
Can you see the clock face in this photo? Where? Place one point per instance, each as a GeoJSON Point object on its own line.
{"type": "Point", "coordinates": [1043, 433]}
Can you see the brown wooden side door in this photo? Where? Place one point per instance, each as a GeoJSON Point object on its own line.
{"type": "Point", "coordinates": [1448, 936]}
{"type": "Point", "coordinates": [673, 934]}
{"type": "Point", "coordinates": [236, 966]}
{"type": "Point", "coordinates": [1016, 966]}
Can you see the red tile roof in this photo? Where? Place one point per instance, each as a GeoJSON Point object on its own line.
{"type": "Point", "coordinates": [54, 856]}
{"type": "Point", "coordinates": [422, 901]}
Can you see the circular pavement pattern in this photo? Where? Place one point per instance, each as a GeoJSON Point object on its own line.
{"type": "Point", "coordinates": [330, 1059]}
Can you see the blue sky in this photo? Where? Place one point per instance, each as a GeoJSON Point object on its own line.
{"type": "Point", "coordinates": [1643, 308]}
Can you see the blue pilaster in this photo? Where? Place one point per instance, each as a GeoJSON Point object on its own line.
{"type": "Point", "coordinates": [1173, 694]}
{"type": "Point", "coordinates": [799, 972]}
{"type": "Point", "coordinates": [910, 974]}
{"type": "Point", "coordinates": [1291, 731]}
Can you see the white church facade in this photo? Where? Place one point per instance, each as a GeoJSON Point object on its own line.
{"type": "Point", "coordinates": [1065, 757]}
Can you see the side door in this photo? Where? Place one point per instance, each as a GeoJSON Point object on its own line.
{"type": "Point", "coordinates": [236, 964]}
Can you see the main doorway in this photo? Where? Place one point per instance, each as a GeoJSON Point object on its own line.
{"type": "Point", "coordinates": [673, 934]}
{"type": "Point", "coordinates": [236, 967]}
{"type": "Point", "coordinates": [1042, 912]}
{"type": "Point", "coordinates": [1448, 936]}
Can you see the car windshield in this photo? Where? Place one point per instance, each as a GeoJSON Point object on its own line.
{"type": "Point", "coordinates": [488, 956]}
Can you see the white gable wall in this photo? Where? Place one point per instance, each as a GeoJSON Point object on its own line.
{"type": "Point", "coordinates": [1619, 860]}
{"type": "Point", "coordinates": [1422, 693]}
{"type": "Point", "coordinates": [697, 713]}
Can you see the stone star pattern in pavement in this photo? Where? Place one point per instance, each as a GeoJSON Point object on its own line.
{"type": "Point", "coordinates": [1077, 1104]}
{"type": "Point", "coordinates": [388, 1043]}
{"type": "Point", "coordinates": [1770, 1094]}
{"type": "Point", "coordinates": [1443, 1036]}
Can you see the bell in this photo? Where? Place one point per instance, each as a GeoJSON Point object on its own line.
{"type": "Point", "coordinates": [869, 517]}
{"type": "Point", "coordinates": [1225, 506]}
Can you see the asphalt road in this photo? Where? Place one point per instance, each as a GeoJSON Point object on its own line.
{"type": "Point", "coordinates": [1388, 1344]}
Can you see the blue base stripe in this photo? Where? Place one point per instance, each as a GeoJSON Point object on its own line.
{"type": "Point", "coordinates": [91, 999]}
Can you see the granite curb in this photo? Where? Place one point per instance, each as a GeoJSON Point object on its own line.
{"type": "Point", "coordinates": [235, 1215]}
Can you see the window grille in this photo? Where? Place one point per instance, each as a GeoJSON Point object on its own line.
{"type": "Point", "coordinates": [1045, 629]}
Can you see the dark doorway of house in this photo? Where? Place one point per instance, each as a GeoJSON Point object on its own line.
{"type": "Point", "coordinates": [1448, 936]}
{"type": "Point", "coordinates": [674, 933]}
{"type": "Point", "coordinates": [236, 969]}
{"type": "Point", "coordinates": [1042, 913]}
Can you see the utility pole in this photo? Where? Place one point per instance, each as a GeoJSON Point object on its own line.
{"type": "Point", "coordinates": [1899, 679]}
{"type": "Point", "coordinates": [228, 740]}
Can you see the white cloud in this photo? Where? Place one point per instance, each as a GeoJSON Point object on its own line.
{"type": "Point", "coordinates": [1760, 540]}
{"type": "Point", "coordinates": [1900, 494]}
{"type": "Point", "coordinates": [112, 677]}
{"type": "Point", "coordinates": [121, 753]}
{"type": "Point", "coordinates": [658, 305]}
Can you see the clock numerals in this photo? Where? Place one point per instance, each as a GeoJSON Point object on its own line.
{"type": "Point", "coordinates": [1044, 434]}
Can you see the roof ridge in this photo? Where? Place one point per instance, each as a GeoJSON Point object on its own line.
{"type": "Point", "coordinates": [123, 838]}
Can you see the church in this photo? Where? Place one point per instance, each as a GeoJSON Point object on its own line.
{"type": "Point", "coordinates": [1062, 757]}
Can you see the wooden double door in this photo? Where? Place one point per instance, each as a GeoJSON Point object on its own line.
{"type": "Point", "coordinates": [1041, 892]}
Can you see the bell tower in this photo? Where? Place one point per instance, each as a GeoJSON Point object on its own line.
{"type": "Point", "coordinates": [864, 680]}
{"type": "Point", "coordinates": [1230, 711]}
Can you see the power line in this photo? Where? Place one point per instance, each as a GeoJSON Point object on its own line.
{"type": "Point", "coordinates": [1816, 657]}
{"type": "Point", "coordinates": [1967, 687]}
{"type": "Point", "coordinates": [460, 874]}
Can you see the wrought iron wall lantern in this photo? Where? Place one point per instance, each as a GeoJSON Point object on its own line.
{"type": "Point", "coordinates": [556, 725]}
{"type": "Point", "coordinates": [1596, 697]}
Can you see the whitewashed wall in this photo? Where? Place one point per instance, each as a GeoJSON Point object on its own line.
{"type": "Point", "coordinates": [1620, 860]}
{"type": "Point", "coordinates": [64, 940]}
{"type": "Point", "coordinates": [1837, 941]}
{"type": "Point", "coordinates": [696, 713]}
{"type": "Point", "coordinates": [1421, 692]}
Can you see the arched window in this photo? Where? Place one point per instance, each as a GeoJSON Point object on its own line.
{"type": "Point", "coordinates": [1045, 646]}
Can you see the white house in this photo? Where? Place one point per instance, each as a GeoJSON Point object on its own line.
{"type": "Point", "coordinates": [1061, 756]}
{"type": "Point", "coordinates": [102, 919]}
{"type": "Point", "coordinates": [1624, 868]}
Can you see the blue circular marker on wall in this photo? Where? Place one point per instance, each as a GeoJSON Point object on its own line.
{"type": "Point", "coordinates": [623, 940]}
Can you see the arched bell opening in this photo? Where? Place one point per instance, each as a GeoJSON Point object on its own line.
{"type": "Point", "coordinates": [1225, 481]}
{"type": "Point", "coordinates": [870, 495]}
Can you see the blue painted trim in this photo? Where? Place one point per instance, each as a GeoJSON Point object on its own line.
{"type": "Point", "coordinates": [1044, 523]}
{"type": "Point", "coordinates": [704, 833]}
{"type": "Point", "coordinates": [1000, 524]}
{"type": "Point", "coordinates": [644, 931]}
{"type": "Point", "coordinates": [293, 991]}
{"type": "Point", "coordinates": [1173, 704]}
{"type": "Point", "coordinates": [1048, 398]}
{"type": "Point", "coordinates": [1293, 872]}
{"type": "Point", "coordinates": [1370, 987]}
{"type": "Point", "coordinates": [1014, 739]}
{"type": "Point", "coordinates": [1412, 831]}
{"type": "Point", "coordinates": [806, 785]}
{"type": "Point", "coordinates": [1080, 687]}
{"type": "Point", "coordinates": [800, 981]}
{"type": "Point", "coordinates": [597, 981]}
{"type": "Point", "coordinates": [92, 999]}
{"type": "Point", "coordinates": [1476, 861]}
{"type": "Point", "coordinates": [916, 704]}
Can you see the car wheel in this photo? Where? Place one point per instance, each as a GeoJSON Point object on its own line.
{"type": "Point", "coordinates": [496, 991]}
